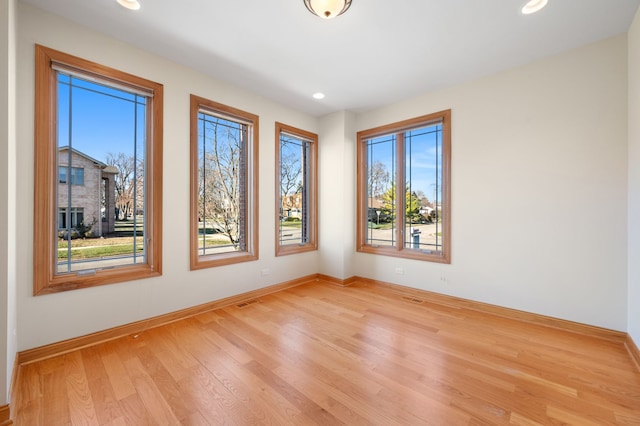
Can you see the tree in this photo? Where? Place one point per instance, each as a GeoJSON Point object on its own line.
{"type": "Point", "coordinates": [422, 199]}
{"type": "Point", "coordinates": [129, 183]}
{"type": "Point", "coordinates": [412, 204]}
{"type": "Point", "coordinates": [378, 178]}
{"type": "Point", "coordinates": [290, 168]}
{"type": "Point", "coordinates": [221, 176]}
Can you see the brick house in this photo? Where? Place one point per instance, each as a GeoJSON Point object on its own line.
{"type": "Point", "coordinates": [92, 192]}
{"type": "Point", "coordinates": [292, 206]}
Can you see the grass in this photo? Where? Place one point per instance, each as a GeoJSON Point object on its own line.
{"type": "Point", "coordinates": [386, 225]}
{"type": "Point", "coordinates": [94, 242]}
{"type": "Point", "coordinates": [213, 243]}
{"type": "Point", "coordinates": [95, 248]}
{"type": "Point", "coordinates": [124, 228]}
{"type": "Point", "coordinates": [97, 252]}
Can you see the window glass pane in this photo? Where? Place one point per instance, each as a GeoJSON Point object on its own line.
{"type": "Point", "coordinates": [222, 207]}
{"type": "Point", "coordinates": [77, 176]}
{"type": "Point", "coordinates": [294, 190]}
{"type": "Point", "coordinates": [62, 173]}
{"type": "Point", "coordinates": [381, 197]}
{"type": "Point", "coordinates": [101, 140]}
{"type": "Point", "coordinates": [423, 189]}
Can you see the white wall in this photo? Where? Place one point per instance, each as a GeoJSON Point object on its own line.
{"type": "Point", "coordinates": [634, 180]}
{"type": "Point", "coordinates": [336, 194]}
{"type": "Point", "coordinates": [538, 188]}
{"type": "Point", "coordinates": [51, 318]}
{"type": "Point", "coordinates": [8, 316]}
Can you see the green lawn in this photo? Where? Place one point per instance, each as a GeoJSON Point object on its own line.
{"type": "Point", "coordinates": [98, 251]}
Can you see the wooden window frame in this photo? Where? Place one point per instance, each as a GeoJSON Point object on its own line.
{"type": "Point", "coordinates": [312, 188]}
{"type": "Point", "coordinates": [46, 176]}
{"type": "Point", "coordinates": [251, 253]}
{"type": "Point", "coordinates": [398, 250]}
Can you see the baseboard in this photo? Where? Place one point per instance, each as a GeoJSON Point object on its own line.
{"type": "Point", "coordinates": [65, 346]}
{"type": "Point", "coordinates": [337, 281]}
{"type": "Point", "coordinates": [589, 330]}
{"type": "Point", "coordinates": [13, 385]}
{"type": "Point", "coordinates": [59, 348]}
{"type": "Point", "coordinates": [5, 415]}
{"type": "Point", "coordinates": [633, 350]}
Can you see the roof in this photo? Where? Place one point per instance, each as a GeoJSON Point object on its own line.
{"type": "Point", "coordinates": [82, 154]}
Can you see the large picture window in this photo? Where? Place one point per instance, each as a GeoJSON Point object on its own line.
{"type": "Point", "coordinates": [404, 200]}
{"type": "Point", "coordinates": [224, 184]}
{"type": "Point", "coordinates": [98, 167]}
{"type": "Point", "coordinates": [296, 186]}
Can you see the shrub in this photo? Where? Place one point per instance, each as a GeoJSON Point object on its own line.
{"type": "Point", "coordinates": [84, 229]}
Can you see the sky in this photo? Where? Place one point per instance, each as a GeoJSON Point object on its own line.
{"type": "Point", "coordinates": [103, 119]}
{"type": "Point", "coordinates": [423, 151]}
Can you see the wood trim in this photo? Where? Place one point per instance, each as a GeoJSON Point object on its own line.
{"type": "Point", "coordinates": [312, 185]}
{"type": "Point", "coordinates": [5, 415]}
{"type": "Point", "coordinates": [69, 345]}
{"type": "Point", "coordinates": [14, 383]}
{"type": "Point", "coordinates": [459, 303]}
{"type": "Point", "coordinates": [633, 350]}
{"type": "Point", "coordinates": [332, 280]}
{"type": "Point", "coordinates": [399, 250]}
{"type": "Point", "coordinates": [45, 279]}
{"type": "Point", "coordinates": [196, 260]}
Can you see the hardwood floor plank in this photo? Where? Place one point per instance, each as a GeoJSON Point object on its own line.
{"type": "Point", "coordinates": [81, 409]}
{"type": "Point", "coordinates": [165, 383]}
{"type": "Point", "coordinates": [117, 374]}
{"type": "Point", "coordinates": [146, 388]}
{"type": "Point", "coordinates": [106, 405]}
{"type": "Point", "coordinates": [320, 354]}
{"type": "Point", "coordinates": [55, 401]}
{"type": "Point", "coordinates": [135, 412]}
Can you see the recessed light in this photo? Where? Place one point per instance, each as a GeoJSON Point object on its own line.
{"type": "Point", "coordinates": [533, 6]}
{"type": "Point", "coordinates": [318, 95]}
{"type": "Point", "coordinates": [129, 4]}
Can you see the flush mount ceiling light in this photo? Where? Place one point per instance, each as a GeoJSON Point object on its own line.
{"type": "Point", "coordinates": [533, 6]}
{"type": "Point", "coordinates": [318, 95]}
{"type": "Point", "coordinates": [129, 4]}
{"type": "Point", "coordinates": [327, 9]}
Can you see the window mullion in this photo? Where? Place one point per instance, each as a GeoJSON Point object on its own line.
{"type": "Point", "coordinates": [399, 190]}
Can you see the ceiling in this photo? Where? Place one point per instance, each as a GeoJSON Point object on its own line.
{"type": "Point", "coordinates": [378, 52]}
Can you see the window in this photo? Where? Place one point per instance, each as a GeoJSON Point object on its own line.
{"type": "Point", "coordinates": [77, 217]}
{"type": "Point", "coordinates": [296, 190]}
{"type": "Point", "coordinates": [224, 184]}
{"type": "Point", "coordinates": [98, 174]}
{"type": "Point", "coordinates": [404, 200]}
{"type": "Point", "coordinates": [77, 175]}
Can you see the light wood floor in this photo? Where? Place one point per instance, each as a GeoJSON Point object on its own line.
{"type": "Point", "coordinates": [321, 354]}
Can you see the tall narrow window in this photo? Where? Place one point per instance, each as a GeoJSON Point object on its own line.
{"type": "Point", "coordinates": [224, 184]}
{"type": "Point", "coordinates": [97, 174]}
{"type": "Point", "coordinates": [296, 186]}
{"type": "Point", "coordinates": [404, 200]}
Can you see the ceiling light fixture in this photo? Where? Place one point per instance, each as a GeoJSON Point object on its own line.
{"type": "Point", "coordinates": [129, 4]}
{"type": "Point", "coordinates": [533, 6]}
{"type": "Point", "coordinates": [327, 9]}
{"type": "Point", "coordinates": [318, 95]}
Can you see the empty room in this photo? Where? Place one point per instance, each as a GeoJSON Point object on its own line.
{"type": "Point", "coordinates": [302, 212]}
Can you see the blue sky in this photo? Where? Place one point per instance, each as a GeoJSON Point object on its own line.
{"type": "Point", "coordinates": [101, 124]}
{"type": "Point", "coordinates": [425, 146]}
